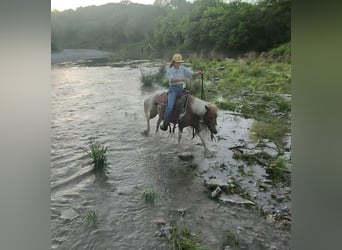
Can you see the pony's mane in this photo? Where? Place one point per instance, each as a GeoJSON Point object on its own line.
{"type": "Point", "coordinates": [198, 106]}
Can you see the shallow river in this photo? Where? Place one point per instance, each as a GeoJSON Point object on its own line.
{"type": "Point", "coordinates": [105, 105]}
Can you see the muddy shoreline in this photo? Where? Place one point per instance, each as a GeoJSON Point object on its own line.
{"type": "Point", "coordinates": [232, 182]}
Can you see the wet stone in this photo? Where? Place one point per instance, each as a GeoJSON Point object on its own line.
{"type": "Point", "coordinates": [287, 142]}
{"type": "Point", "coordinates": [235, 199]}
{"type": "Point", "coordinates": [159, 221]}
{"type": "Point", "coordinates": [182, 211]}
{"type": "Point", "coordinates": [267, 181]}
{"type": "Point", "coordinates": [216, 193]}
{"type": "Point", "coordinates": [186, 156]}
{"type": "Point", "coordinates": [69, 214]}
{"type": "Point", "coordinates": [125, 190]}
{"type": "Point", "coordinates": [281, 198]}
{"type": "Point", "coordinates": [165, 231]}
{"type": "Point", "coordinates": [214, 183]}
{"type": "Point", "coordinates": [271, 152]}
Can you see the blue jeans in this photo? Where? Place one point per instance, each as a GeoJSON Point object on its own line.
{"type": "Point", "coordinates": [171, 99]}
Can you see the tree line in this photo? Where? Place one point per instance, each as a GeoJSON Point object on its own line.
{"type": "Point", "coordinates": [203, 26]}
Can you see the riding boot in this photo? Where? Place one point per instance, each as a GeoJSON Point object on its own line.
{"type": "Point", "coordinates": [164, 126]}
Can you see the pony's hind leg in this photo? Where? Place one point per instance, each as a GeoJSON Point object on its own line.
{"type": "Point", "coordinates": [147, 111]}
{"type": "Point", "coordinates": [158, 123]}
{"type": "Point", "coordinates": [146, 132]}
{"type": "Point", "coordinates": [148, 126]}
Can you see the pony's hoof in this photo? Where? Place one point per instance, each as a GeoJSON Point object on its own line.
{"type": "Point", "coordinates": [208, 153]}
{"type": "Point", "coordinates": [145, 133]}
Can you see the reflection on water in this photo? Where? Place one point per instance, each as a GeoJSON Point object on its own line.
{"type": "Point", "coordinates": [105, 104]}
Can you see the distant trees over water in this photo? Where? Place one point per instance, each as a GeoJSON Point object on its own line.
{"type": "Point", "coordinates": [204, 26]}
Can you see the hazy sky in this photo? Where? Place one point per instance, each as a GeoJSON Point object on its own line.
{"type": "Point", "coordinates": [73, 4]}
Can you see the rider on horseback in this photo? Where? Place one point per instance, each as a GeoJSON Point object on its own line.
{"type": "Point", "coordinates": [178, 76]}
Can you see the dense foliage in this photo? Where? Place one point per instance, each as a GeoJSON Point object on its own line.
{"type": "Point", "coordinates": [206, 27]}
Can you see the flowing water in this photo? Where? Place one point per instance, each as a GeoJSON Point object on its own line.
{"type": "Point", "coordinates": [105, 104]}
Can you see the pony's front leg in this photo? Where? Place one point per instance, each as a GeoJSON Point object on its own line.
{"type": "Point", "coordinates": [202, 140]}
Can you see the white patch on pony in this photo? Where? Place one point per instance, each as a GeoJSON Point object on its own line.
{"type": "Point", "coordinates": [198, 106]}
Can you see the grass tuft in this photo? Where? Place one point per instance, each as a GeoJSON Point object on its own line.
{"type": "Point", "coordinates": [183, 239]}
{"type": "Point", "coordinates": [98, 154]}
{"type": "Point", "coordinates": [92, 219]}
{"type": "Point", "coordinates": [149, 195]}
{"type": "Point", "coordinates": [277, 170]}
{"type": "Point", "coordinates": [148, 79]}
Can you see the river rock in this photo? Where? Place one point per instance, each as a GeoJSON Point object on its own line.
{"type": "Point", "coordinates": [185, 156]}
{"type": "Point", "coordinates": [287, 143]}
{"type": "Point", "coordinates": [165, 231]}
{"type": "Point", "coordinates": [214, 183]}
{"type": "Point", "coordinates": [182, 211]}
{"type": "Point", "coordinates": [216, 193]}
{"type": "Point", "coordinates": [159, 221]}
{"type": "Point", "coordinates": [125, 190]}
{"type": "Point", "coordinates": [271, 151]}
{"type": "Point", "coordinates": [235, 199]}
{"type": "Point", "coordinates": [69, 214]}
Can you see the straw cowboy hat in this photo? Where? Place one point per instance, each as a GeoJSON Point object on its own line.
{"type": "Point", "coordinates": [177, 58]}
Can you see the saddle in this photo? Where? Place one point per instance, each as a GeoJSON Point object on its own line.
{"type": "Point", "coordinates": [178, 108]}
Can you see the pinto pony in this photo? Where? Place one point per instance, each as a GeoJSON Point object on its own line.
{"type": "Point", "coordinates": [188, 111]}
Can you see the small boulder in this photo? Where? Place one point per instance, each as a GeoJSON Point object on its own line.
{"type": "Point", "coordinates": [235, 199]}
{"type": "Point", "coordinates": [69, 214]}
{"type": "Point", "coordinates": [186, 156]}
{"type": "Point", "coordinates": [214, 183]}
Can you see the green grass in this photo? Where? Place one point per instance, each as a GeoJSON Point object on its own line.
{"type": "Point", "coordinates": [149, 195]}
{"type": "Point", "coordinates": [234, 242]}
{"type": "Point", "coordinates": [283, 50]}
{"type": "Point", "coordinates": [183, 239]}
{"type": "Point", "coordinates": [250, 159]}
{"type": "Point", "coordinates": [273, 131]}
{"type": "Point", "coordinates": [277, 170]}
{"type": "Point", "coordinates": [92, 219]}
{"type": "Point", "coordinates": [98, 154]}
{"type": "Point", "coordinates": [148, 79]}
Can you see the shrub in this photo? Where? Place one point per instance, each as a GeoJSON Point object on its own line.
{"type": "Point", "coordinates": [148, 79]}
